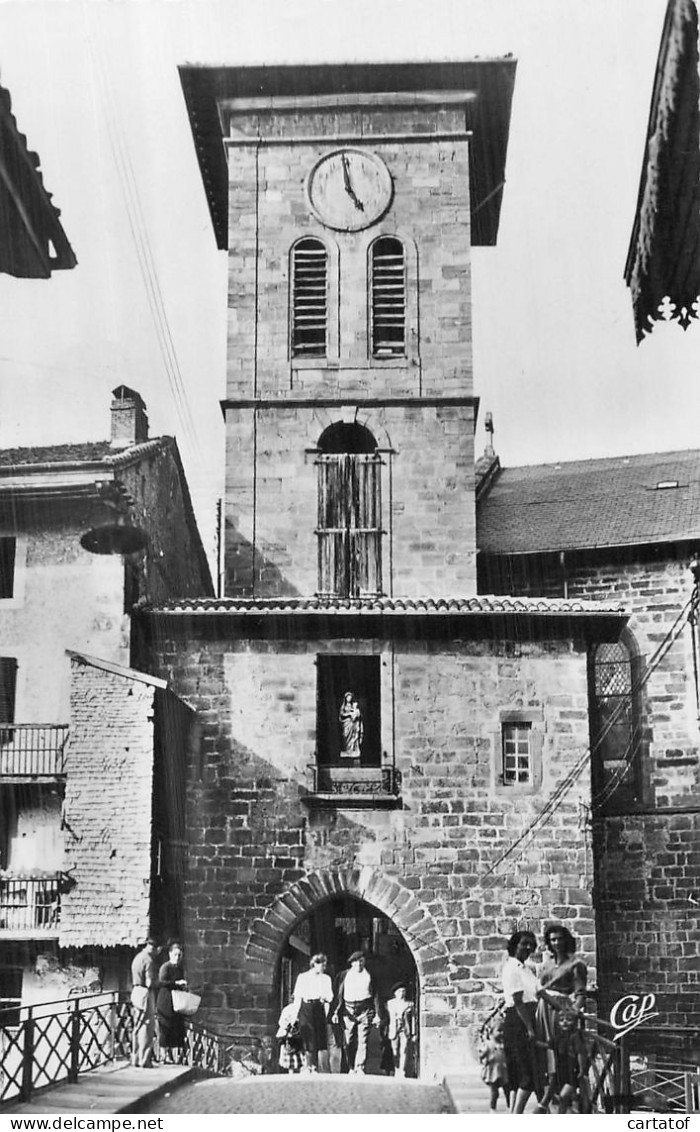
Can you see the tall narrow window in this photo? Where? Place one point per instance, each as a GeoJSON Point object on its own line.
{"type": "Point", "coordinates": [7, 567]}
{"type": "Point", "coordinates": [615, 731]}
{"type": "Point", "coordinates": [309, 299]}
{"type": "Point", "coordinates": [388, 298]}
{"type": "Point", "coordinates": [8, 684]}
{"type": "Point", "coordinates": [349, 513]}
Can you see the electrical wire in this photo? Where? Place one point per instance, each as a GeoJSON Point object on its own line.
{"type": "Point", "coordinates": [141, 240]}
{"type": "Point", "coordinates": [555, 800]}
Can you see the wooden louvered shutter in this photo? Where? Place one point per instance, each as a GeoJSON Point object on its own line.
{"type": "Point", "coordinates": [8, 686]}
{"type": "Point", "coordinates": [349, 525]}
{"type": "Point", "coordinates": [388, 298]}
{"type": "Point", "coordinates": [309, 299]}
{"type": "Point", "coordinates": [7, 567]}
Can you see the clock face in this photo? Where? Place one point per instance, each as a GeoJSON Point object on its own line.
{"type": "Point", "coordinates": [349, 189]}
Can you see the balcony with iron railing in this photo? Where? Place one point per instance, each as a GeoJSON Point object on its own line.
{"type": "Point", "coordinates": [369, 787]}
{"type": "Point", "coordinates": [30, 906]}
{"type": "Point", "coordinates": [32, 751]}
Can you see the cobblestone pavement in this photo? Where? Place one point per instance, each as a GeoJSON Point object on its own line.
{"type": "Point", "coordinates": [319, 1093]}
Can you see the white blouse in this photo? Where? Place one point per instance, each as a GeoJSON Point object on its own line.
{"type": "Point", "coordinates": [518, 977]}
{"type": "Point", "coordinates": [312, 985]}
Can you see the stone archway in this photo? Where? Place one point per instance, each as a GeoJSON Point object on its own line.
{"type": "Point", "coordinates": [438, 1001]}
{"type": "Point", "coordinates": [417, 926]}
{"type": "Point", "coordinates": [415, 923]}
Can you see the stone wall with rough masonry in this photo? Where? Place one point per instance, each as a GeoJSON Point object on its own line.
{"type": "Point", "coordinates": [647, 880]}
{"type": "Point", "coordinates": [108, 809]}
{"type": "Point", "coordinates": [174, 564]}
{"type": "Point", "coordinates": [427, 505]}
{"type": "Point", "coordinates": [259, 859]}
{"type": "Point", "coordinates": [648, 860]}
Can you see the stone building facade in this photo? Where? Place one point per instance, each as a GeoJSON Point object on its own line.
{"type": "Point", "coordinates": [349, 201]}
{"type": "Point", "coordinates": [628, 527]}
{"type": "Point", "coordinates": [87, 531]}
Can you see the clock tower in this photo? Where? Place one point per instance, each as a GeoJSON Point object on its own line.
{"type": "Point", "coordinates": [351, 200]}
{"type": "Point", "coordinates": [374, 732]}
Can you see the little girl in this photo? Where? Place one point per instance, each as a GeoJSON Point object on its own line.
{"type": "Point", "coordinates": [290, 1043]}
{"type": "Point", "coordinates": [494, 1071]}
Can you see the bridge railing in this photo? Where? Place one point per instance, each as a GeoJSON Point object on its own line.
{"type": "Point", "coordinates": [52, 1042]}
{"type": "Point", "coordinates": [661, 1057]}
{"type": "Point", "coordinates": [56, 1041]}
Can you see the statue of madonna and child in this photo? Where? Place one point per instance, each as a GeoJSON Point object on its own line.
{"type": "Point", "coordinates": [351, 727]}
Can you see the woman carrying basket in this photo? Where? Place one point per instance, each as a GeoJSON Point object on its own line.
{"type": "Point", "coordinates": [171, 1025]}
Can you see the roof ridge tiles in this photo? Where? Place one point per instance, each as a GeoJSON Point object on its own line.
{"type": "Point", "coordinates": [480, 604]}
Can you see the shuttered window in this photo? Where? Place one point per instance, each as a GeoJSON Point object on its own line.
{"type": "Point", "coordinates": [309, 300]}
{"type": "Point", "coordinates": [349, 524]}
{"type": "Point", "coordinates": [388, 298]}
{"type": "Point", "coordinates": [7, 567]}
{"type": "Point", "coordinates": [8, 685]}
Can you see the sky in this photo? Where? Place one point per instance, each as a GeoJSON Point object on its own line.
{"type": "Point", "coordinates": [95, 88]}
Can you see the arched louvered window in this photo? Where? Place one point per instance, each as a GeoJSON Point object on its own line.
{"type": "Point", "coordinates": [309, 298]}
{"type": "Point", "coordinates": [349, 513]}
{"type": "Point", "coordinates": [387, 298]}
{"type": "Point", "coordinates": [615, 730]}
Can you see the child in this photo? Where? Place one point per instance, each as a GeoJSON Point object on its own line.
{"type": "Point", "coordinates": [290, 1051]}
{"type": "Point", "coordinates": [400, 1029]}
{"type": "Point", "coordinates": [494, 1071]}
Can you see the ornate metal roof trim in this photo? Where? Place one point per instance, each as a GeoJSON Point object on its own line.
{"type": "Point", "coordinates": [663, 262]}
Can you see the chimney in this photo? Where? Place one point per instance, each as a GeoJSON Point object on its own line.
{"type": "Point", "coordinates": [129, 420]}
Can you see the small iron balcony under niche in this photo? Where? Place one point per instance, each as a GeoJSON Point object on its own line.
{"type": "Point", "coordinates": [31, 751]}
{"type": "Point", "coordinates": [30, 906]}
{"type": "Point", "coordinates": [366, 787]}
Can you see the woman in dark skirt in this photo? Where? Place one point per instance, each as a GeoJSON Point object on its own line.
{"type": "Point", "coordinates": [520, 991]}
{"type": "Point", "coordinates": [171, 1026]}
{"type": "Point", "coordinates": [313, 992]}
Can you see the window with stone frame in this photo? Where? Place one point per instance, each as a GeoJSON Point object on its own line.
{"type": "Point", "coordinates": [616, 746]}
{"type": "Point", "coordinates": [8, 549]}
{"type": "Point", "coordinates": [309, 299]}
{"type": "Point", "coordinates": [517, 753]}
{"type": "Point", "coordinates": [387, 298]}
{"type": "Point", "coordinates": [349, 527]}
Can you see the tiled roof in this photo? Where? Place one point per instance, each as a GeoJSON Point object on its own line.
{"type": "Point", "coordinates": [614, 502]}
{"type": "Point", "coordinates": [86, 452]}
{"type": "Point", "coordinates": [344, 607]}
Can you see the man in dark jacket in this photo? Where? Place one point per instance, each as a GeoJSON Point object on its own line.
{"type": "Point", "coordinates": [356, 1002]}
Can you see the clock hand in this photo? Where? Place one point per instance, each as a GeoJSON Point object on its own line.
{"type": "Point", "coordinates": [348, 186]}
